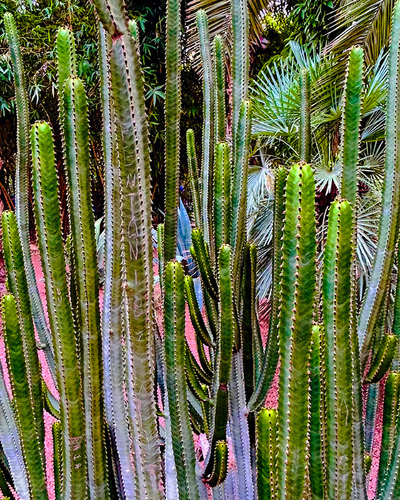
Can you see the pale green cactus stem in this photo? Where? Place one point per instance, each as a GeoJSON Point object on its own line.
{"type": "Point", "coordinates": [222, 189]}
{"type": "Point", "coordinates": [48, 223]}
{"type": "Point", "coordinates": [389, 222]}
{"type": "Point", "coordinates": [21, 189]}
{"type": "Point", "coordinates": [172, 121]}
{"type": "Point", "coordinates": [219, 85]}
{"type": "Point", "coordinates": [240, 62]}
{"type": "Point", "coordinates": [305, 117]}
{"type": "Point", "coordinates": [76, 145]}
{"type": "Point", "coordinates": [32, 443]}
{"type": "Point", "coordinates": [297, 281]}
{"type": "Point", "coordinates": [127, 90]}
{"type": "Point", "coordinates": [208, 132]}
{"type": "Point", "coordinates": [174, 326]}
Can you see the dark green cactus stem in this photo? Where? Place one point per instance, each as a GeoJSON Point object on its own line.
{"type": "Point", "coordinates": [271, 353]}
{"type": "Point", "coordinates": [48, 223]}
{"type": "Point", "coordinates": [22, 190]}
{"type": "Point", "coordinates": [295, 329]}
{"type": "Point", "coordinates": [18, 286]}
{"type": "Point", "coordinates": [337, 309]}
{"type": "Point", "coordinates": [198, 390]}
{"type": "Point", "coordinates": [207, 176]}
{"type": "Point", "coordinates": [174, 327]}
{"type": "Point", "coordinates": [390, 410]}
{"type": "Point", "coordinates": [224, 353]}
{"type": "Point", "coordinates": [305, 117]}
{"type": "Point", "coordinates": [195, 313]}
{"type": "Point", "coordinates": [239, 186]}
{"type": "Point", "coordinates": [200, 253]}
{"type": "Point", "coordinates": [112, 335]}
{"type": "Point", "coordinates": [316, 405]}
{"type": "Point", "coordinates": [250, 332]}
{"type": "Point", "coordinates": [370, 416]}
{"type": "Point", "coordinates": [31, 442]}
{"type": "Point", "coordinates": [351, 116]}
{"type": "Point", "coordinates": [266, 425]}
{"type": "Point", "coordinates": [389, 222]}
{"type": "Point", "coordinates": [396, 319]}
{"type": "Point", "coordinates": [219, 93]}
{"type": "Point", "coordinates": [194, 177]}
{"type": "Point", "coordinates": [57, 454]}
{"type": "Point", "coordinates": [222, 190]}
{"type": "Point", "coordinates": [383, 359]}
{"type": "Point", "coordinates": [76, 139]}
{"type": "Point", "coordinates": [172, 121]}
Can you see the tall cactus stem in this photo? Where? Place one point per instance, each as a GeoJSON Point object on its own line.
{"type": "Point", "coordinates": [305, 117]}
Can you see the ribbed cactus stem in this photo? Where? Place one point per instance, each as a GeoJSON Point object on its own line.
{"type": "Point", "coordinates": [21, 188]}
{"type": "Point", "coordinates": [219, 92]}
{"type": "Point", "coordinates": [48, 223]}
{"type": "Point", "coordinates": [172, 121]}
{"type": "Point", "coordinates": [351, 116]}
{"type": "Point", "coordinates": [208, 132]}
{"type": "Point", "coordinates": [174, 326]}
{"type": "Point", "coordinates": [22, 390]}
{"type": "Point", "coordinates": [18, 286]}
{"type": "Point", "coordinates": [337, 309]}
{"type": "Point", "coordinates": [222, 181]}
{"type": "Point", "coordinates": [194, 177]}
{"type": "Point", "coordinates": [305, 117]}
{"type": "Point", "coordinates": [389, 221]}
{"type": "Point", "coordinates": [271, 354]}
{"type": "Point", "coordinates": [298, 280]}
{"type": "Point", "coordinates": [266, 424]}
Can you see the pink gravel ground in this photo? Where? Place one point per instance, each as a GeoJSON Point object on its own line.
{"type": "Point", "coordinates": [271, 400]}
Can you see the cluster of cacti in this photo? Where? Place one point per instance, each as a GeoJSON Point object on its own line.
{"type": "Point", "coordinates": [132, 399]}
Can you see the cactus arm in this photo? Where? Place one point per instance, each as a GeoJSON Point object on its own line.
{"type": "Point", "coordinates": [351, 116]}
{"type": "Point", "coordinates": [172, 121]}
{"type": "Point", "coordinates": [195, 313]}
{"type": "Point", "coordinates": [66, 62]}
{"type": "Point", "coordinates": [225, 339]}
{"type": "Point", "coordinates": [174, 327]}
{"type": "Point", "coordinates": [219, 93]}
{"type": "Point", "coordinates": [271, 354]}
{"type": "Point", "coordinates": [194, 177]}
{"type": "Point", "coordinates": [112, 336]}
{"type": "Point", "coordinates": [239, 185]}
{"type": "Point", "coordinates": [207, 176]}
{"type": "Point", "coordinates": [390, 406]}
{"type": "Point", "coordinates": [266, 453]}
{"type": "Point", "coordinates": [240, 62]}
{"type": "Point", "coordinates": [193, 379]}
{"type": "Point", "coordinates": [32, 448]}
{"type": "Point", "coordinates": [383, 359]}
{"type": "Point", "coordinates": [370, 416]}
{"type": "Point", "coordinates": [305, 117]}
{"type": "Point", "coordinates": [199, 252]}
{"type": "Point", "coordinates": [389, 221]}
{"type": "Point", "coordinates": [316, 452]}
{"type": "Point", "coordinates": [18, 286]}
{"type": "Point", "coordinates": [76, 137]}
{"type": "Point", "coordinates": [22, 190]}
{"type": "Point", "coordinates": [57, 454]}
{"type": "Point", "coordinates": [48, 222]}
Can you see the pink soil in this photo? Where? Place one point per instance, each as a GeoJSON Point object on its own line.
{"type": "Point", "coordinates": [271, 400]}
